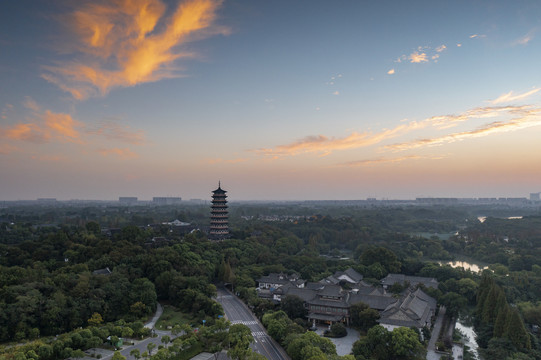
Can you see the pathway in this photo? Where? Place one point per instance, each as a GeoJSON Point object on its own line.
{"type": "Point", "coordinates": [431, 349]}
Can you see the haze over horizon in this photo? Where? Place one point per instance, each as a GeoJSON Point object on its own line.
{"type": "Point", "coordinates": [279, 100]}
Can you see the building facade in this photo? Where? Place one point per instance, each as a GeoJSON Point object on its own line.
{"type": "Point", "coordinates": [219, 217]}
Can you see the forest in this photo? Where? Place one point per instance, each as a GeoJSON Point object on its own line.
{"type": "Point", "coordinates": [73, 276]}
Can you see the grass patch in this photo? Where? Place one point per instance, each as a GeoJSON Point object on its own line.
{"type": "Point", "coordinates": [191, 352]}
{"type": "Point", "coordinates": [172, 316]}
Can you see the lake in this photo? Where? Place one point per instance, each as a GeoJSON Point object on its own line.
{"type": "Point", "coordinates": [469, 340]}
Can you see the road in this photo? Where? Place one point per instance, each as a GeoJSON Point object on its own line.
{"type": "Point", "coordinates": [238, 313]}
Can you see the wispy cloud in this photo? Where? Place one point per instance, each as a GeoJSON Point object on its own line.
{"type": "Point", "coordinates": [390, 160]}
{"type": "Point", "coordinates": [125, 153]}
{"type": "Point", "coordinates": [390, 72]}
{"type": "Point", "coordinates": [525, 39]}
{"type": "Point", "coordinates": [47, 126]}
{"type": "Point", "coordinates": [118, 132]}
{"type": "Point", "coordinates": [324, 145]}
{"type": "Point", "coordinates": [510, 96]}
{"type": "Point", "coordinates": [473, 36]}
{"type": "Point", "coordinates": [441, 48]}
{"type": "Point", "coordinates": [503, 118]}
{"type": "Point", "coordinates": [128, 42]}
{"type": "Point", "coordinates": [520, 118]}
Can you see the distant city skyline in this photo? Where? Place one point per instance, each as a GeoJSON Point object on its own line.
{"type": "Point", "coordinates": [280, 100]}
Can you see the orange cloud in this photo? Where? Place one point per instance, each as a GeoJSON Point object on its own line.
{"type": "Point", "coordinates": [122, 153]}
{"type": "Point", "coordinates": [62, 125]}
{"type": "Point", "coordinates": [117, 132]}
{"type": "Point", "coordinates": [27, 132]}
{"type": "Point", "coordinates": [48, 126]}
{"type": "Point", "coordinates": [324, 145]}
{"type": "Point", "coordinates": [128, 42]}
{"type": "Point", "coordinates": [509, 118]}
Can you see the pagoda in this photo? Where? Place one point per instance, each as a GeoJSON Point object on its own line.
{"type": "Point", "coordinates": [219, 228]}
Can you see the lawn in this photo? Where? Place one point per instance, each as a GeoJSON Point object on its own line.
{"type": "Point", "coordinates": [172, 316]}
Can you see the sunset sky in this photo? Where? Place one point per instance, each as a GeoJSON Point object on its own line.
{"type": "Point", "coordinates": [280, 100]}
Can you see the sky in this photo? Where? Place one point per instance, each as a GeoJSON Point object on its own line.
{"type": "Point", "coordinates": [278, 100]}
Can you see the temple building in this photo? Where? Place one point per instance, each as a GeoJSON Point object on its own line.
{"type": "Point", "coordinates": [219, 225]}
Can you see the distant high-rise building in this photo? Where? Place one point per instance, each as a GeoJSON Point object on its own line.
{"type": "Point", "coordinates": [128, 200]}
{"type": "Point", "coordinates": [535, 197]}
{"type": "Point", "coordinates": [168, 200]}
{"type": "Point", "coordinates": [219, 224]}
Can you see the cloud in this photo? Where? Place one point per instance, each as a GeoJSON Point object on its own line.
{"type": "Point", "coordinates": [510, 96]}
{"type": "Point", "coordinates": [389, 160]}
{"type": "Point", "coordinates": [521, 118]}
{"type": "Point", "coordinates": [45, 126]}
{"type": "Point", "coordinates": [63, 125]}
{"type": "Point", "coordinates": [30, 104]}
{"type": "Point", "coordinates": [458, 45]}
{"type": "Point", "coordinates": [477, 36]}
{"type": "Point", "coordinates": [48, 126]}
{"type": "Point", "coordinates": [390, 72]}
{"type": "Point", "coordinates": [417, 57]}
{"type": "Point", "coordinates": [441, 48]}
{"type": "Point", "coordinates": [503, 118]}
{"type": "Point", "coordinates": [118, 132]}
{"type": "Point", "coordinates": [123, 43]}
{"type": "Point", "coordinates": [7, 109]}
{"type": "Point", "coordinates": [324, 145]}
{"type": "Point", "coordinates": [525, 39]}
{"type": "Point", "coordinates": [26, 132]}
{"type": "Point", "coordinates": [121, 153]}
{"type": "Point", "coordinates": [336, 92]}
{"type": "Point", "coordinates": [6, 149]}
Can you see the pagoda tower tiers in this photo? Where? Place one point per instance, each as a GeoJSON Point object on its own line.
{"type": "Point", "coordinates": [219, 224]}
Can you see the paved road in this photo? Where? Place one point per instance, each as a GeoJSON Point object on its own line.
{"type": "Point", "coordinates": [237, 312]}
{"type": "Point", "coordinates": [431, 349]}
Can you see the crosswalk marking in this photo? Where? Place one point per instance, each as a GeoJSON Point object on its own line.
{"type": "Point", "coordinates": [244, 322]}
{"type": "Point", "coordinates": [258, 334]}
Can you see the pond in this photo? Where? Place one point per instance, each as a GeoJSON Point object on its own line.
{"type": "Point", "coordinates": [469, 340]}
{"type": "Point", "coordinates": [466, 265]}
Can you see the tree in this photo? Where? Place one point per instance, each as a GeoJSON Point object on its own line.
{"type": "Point", "coordinates": [166, 339]}
{"type": "Point", "coordinates": [95, 319]}
{"type": "Point", "coordinates": [136, 353]}
{"type": "Point", "coordinates": [338, 330]}
{"type": "Point", "coordinates": [118, 356]}
{"type": "Point", "coordinates": [294, 307]}
{"type": "Point", "coordinates": [302, 347]}
{"type": "Point", "coordinates": [239, 339]}
{"type": "Point", "coordinates": [150, 347]}
{"type": "Point", "coordinates": [383, 256]}
{"type": "Point", "coordinates": [516, 332]}
{"type": "Point", "coordinates": [362, 316]}
{"type": "Point", "coordinates": [453, 303]}
{"type": "Point", "coordinates": [406, 345]}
